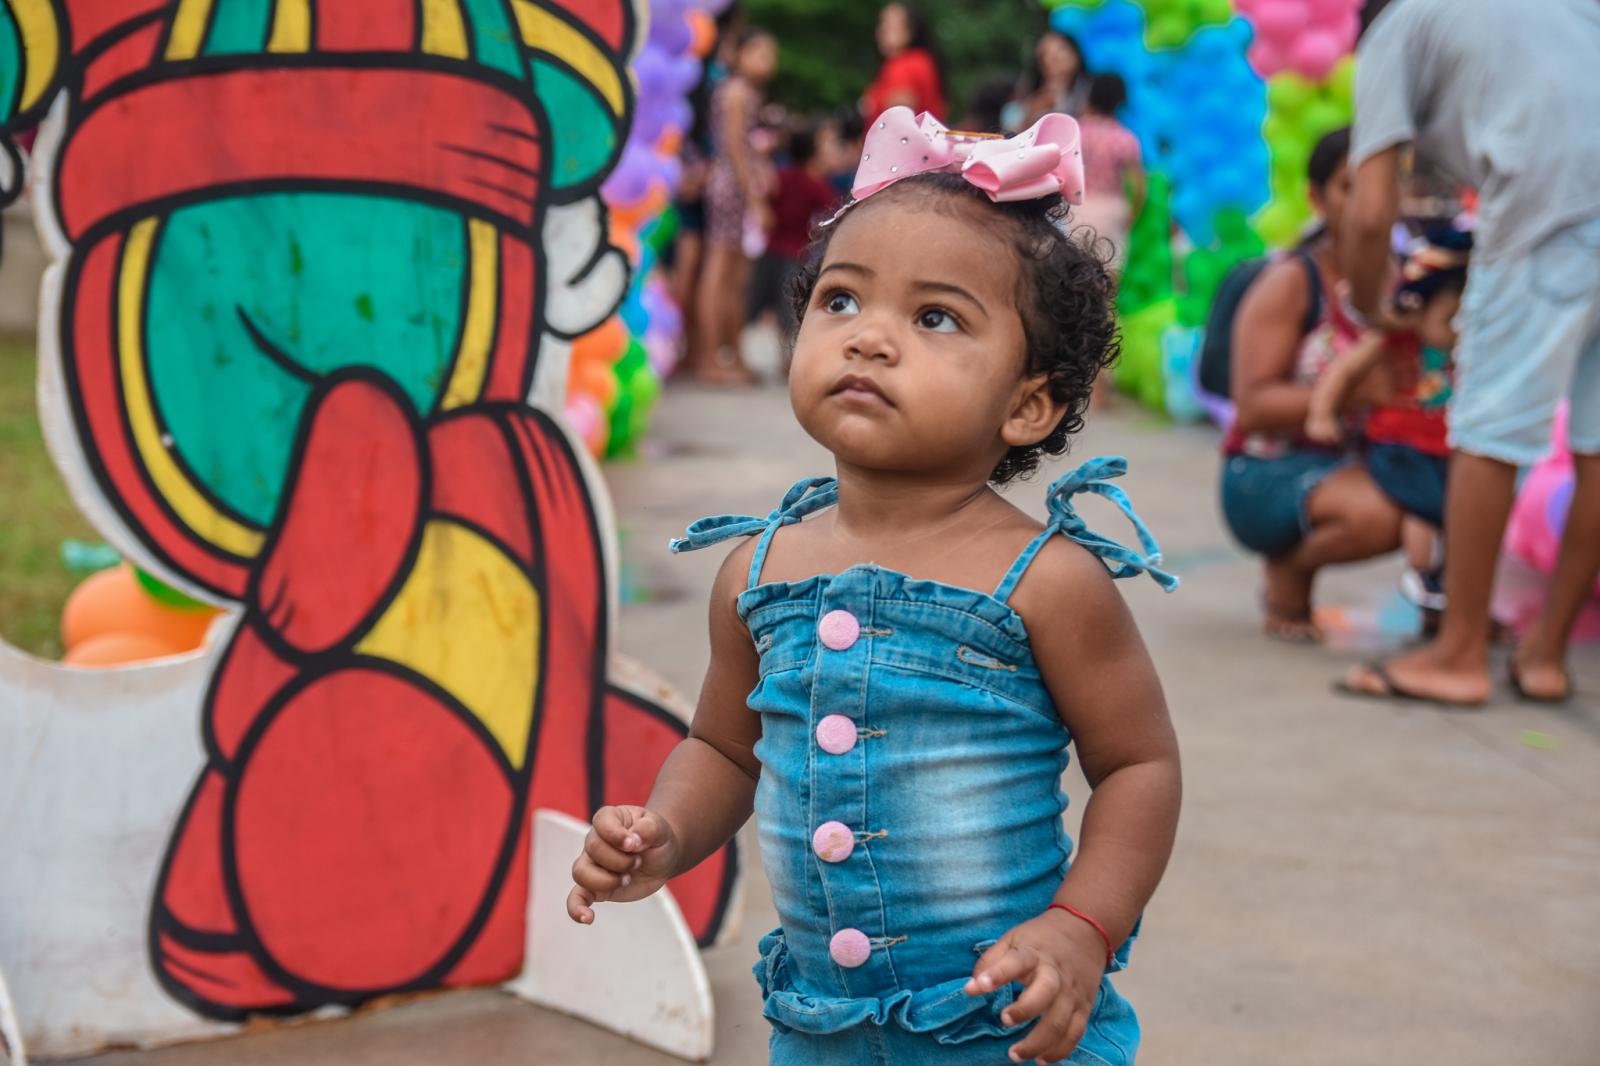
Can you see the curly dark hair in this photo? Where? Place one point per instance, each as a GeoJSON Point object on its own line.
{"type": "Point", "coordinates": [1065, 296]}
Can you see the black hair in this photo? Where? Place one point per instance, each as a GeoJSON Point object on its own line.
{"type": "Point", "coordinates": [989, 99]}
{"type": "Point", "coordinates": [802, 145]}
{"type": "Point", "coordinates": [1107, 92]}
{"type": "Point", "coordinates": [850, 123]}
{"type": "Point", "coordinates": [1066, 298]}
{"type": "Point", "coordinates": [1331, 150]}
{"type": "Point", "coordinates": [1450, 248]}
{"type": "Point", "coordinates": [1035, 80]}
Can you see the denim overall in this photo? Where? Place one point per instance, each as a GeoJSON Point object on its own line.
{"type": "Point", "coordinates": [909, 807]}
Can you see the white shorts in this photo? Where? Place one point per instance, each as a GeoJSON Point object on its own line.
{"type": "Point", "coordinates": [1530, 337]}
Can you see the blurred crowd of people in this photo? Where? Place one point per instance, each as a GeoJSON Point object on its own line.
{"type": "Point", "coordinates": [758, 178]}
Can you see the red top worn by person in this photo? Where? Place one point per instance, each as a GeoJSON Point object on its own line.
{"type": "Point", "coordinates": [800, 198]}
{"type": "Point", "coordinates": [910, 73]}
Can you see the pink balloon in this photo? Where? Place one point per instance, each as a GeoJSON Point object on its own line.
{"type": "Point", "coordinates": [1315, 55]}
{"type": "Point", "coordinates": [1328, 12]}
{"type": "Point", "coordinates": [1280, 21]}
{"type": "Point", "coordinates": [1266, 58]}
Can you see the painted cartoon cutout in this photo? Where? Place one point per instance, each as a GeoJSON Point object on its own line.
{"type": "Point", "coordinates": [306, 294]}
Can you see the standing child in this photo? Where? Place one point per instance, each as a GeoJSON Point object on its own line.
{"type": "Point", "coordinates": [901, 731]}
{"type": "Point", "coordinates": [801, 195]}
{"type": "Point", "coordinates": [1113, 168]}
{"type": "Point", "coordinates": [1407, 449]}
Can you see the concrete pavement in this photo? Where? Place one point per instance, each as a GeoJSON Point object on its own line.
{"type": "Point", "coordinates": [1354, 882]}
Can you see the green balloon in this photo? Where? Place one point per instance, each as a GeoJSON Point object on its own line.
{"type": "Point", "coordinates": [1212, 12]}
{"type": "Point", "coordinates": [164, 593]}
{"type": "Point", "coordinates": [1288, 93]}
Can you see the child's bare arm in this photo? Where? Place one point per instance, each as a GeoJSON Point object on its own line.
{"type": "Point", "coordinates": [1332, 392]}
{"type": "Point", "coordinates": [706, 788]}
{"type": "Point", "coordinates": [1101, 678]}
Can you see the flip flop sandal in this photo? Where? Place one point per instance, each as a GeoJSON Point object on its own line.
{"type": "Point", "coordinates": [1514, 679]}
{"type": "Point", "coordinates": [1395, 693]}
{"type": "Point", "coordinates": [1289, 627]}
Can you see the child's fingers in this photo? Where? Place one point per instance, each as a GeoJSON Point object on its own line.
{"type": "Point", "coordinates": [611, 824]}
{"type": "Point", "coordinates": [1044, 987]}
{"type": "Point", "coordinates": [1055, 1037]}
{"type": "Point", "coordinates": [646, 830]}
{"type": "Point", "coordinates": [580, 905]}
{"type": "Point", "coordinates": [991, 973]}
{"type": "Point", "coordinates": [600, 882]}
{"type": "Point", "coordinates": [608, 857]}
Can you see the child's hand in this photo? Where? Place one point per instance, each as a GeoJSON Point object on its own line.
{"type": "Point", "coordinates": [1060, 959]}
{"type": "Point", "coordinates": [629, 853]}
{"type": "Point", "coordinates": [1324, 429]}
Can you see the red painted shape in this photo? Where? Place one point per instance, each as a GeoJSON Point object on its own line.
{"type": "Point", "coordinates": [127, 55]}
{"type": "Point", "coordinates": [638, 741]}
{"type": "Point", "coordinates": [230, 978]}
{"type": "Point", "coordinates": [350, 517]}
{"type": "Point", "coordinates": [192, 889]}
{"type": "Point", "coordinates": [477, 481]}
{"type": "Point", "coordinates": [515, 344]}
{"type": "Point", "coordinates": [369, 26]}
{"type": "Point", "coordinates": [424, 129]}
{"type": "Point", "coordinates": [91, 364]}
{"type": "Point", "coordinates": [250, 674]}
{"type": "Point", "coordinates": [90, 20]}
{"type": "Point", "coordinates": [496, 952]}
{"type": "Point", "coordinates": [366, 827]}
{"type": "Point", "coordinates": [574, 601]}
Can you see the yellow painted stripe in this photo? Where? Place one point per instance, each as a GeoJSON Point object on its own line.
{"type": "Point", "coordinates": [467, 618]}
{"type": "Point", "coordinates": [291, 27]}
{"type": "Point", "coordinates": [188, 29]}
{"type": "Point", "coordinates": [192, 508]}
{"type": "Point", "coordinates": [546, 32]}
{"type": "Point", "coordinates": [477, 333]}
{"type": "Point", "coordinates": [444, 31]}
{"type": "Point", "coordinates": [41, 46]}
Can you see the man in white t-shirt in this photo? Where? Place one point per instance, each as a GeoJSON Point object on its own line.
{"type": "Point", "coordinates": [1504, 95]}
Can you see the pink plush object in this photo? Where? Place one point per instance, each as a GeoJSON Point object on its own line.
{"type": "Point", "coordinates": [839, 630]}
{"type": "Point", "coordinates": [833, 841]}
{"type": "Point", "coordinates": [850, 948]}
{"type": "Point", "coordinates": [836, 734]}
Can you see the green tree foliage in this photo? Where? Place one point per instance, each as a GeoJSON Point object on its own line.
{"type": "Point", "coordinates": [827, 55]}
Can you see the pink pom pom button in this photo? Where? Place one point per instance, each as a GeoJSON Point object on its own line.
{"type": "Point", "coordinates": [839, 630]}
{"type": "Point", "coordinates": [833, 841]}
{"type": "Point", "coordinates": [850, 948]}
{"type": "Point", "coordinates": [836, 734]}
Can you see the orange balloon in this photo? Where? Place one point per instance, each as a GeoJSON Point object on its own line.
{"type": "Point", "coordinates": [702, 32]}
{"type": "Point", "coordinates": [670, 143]}
{"type": "Point", "coordinates": [626, 241]}
{"type": "Point", "coordinates": [603, 344]}
{"type": "Point", "coordinates": [115, 649]}
{"type": "Point", "coordinates": [113, 601]}
{"type": "Point", "coordinates": [597, 380]}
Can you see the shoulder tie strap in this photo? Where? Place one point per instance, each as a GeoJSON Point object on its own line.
{"type": "Point", "coordinates": [1095, 476]}
{"type": "Point", "coordinates": [806, 496]}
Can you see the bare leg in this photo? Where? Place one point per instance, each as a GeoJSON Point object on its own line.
{"type": "Point", "coordinates": [1540, 661]}
{"type": "Point", "coordinates": [712, 311]}
{"type": "Point", "coordinates": [1454, 668]}
{"type": "Point", "coordinates": [1351, 519]}
{"type": "Point", "coordinates": [735, 307]}
{"type": "Point", "coordinates": [1418, 537]}
{"type": "Point", "coordinates": [685, 275]}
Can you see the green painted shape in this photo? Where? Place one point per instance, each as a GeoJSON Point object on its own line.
{"type": "Point", "coordinates": [302, 267]}
{"type": "Point", "coordinates": [582, 131]}
{"type": "Point", "coordinates": [495, 42]}
{"type": "Point", "coordinates": [10, 63]}
{"type": "Point", "coordinates": [238, 27]}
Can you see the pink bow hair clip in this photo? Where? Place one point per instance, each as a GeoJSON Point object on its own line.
{"type": "Point", "coordinates": [1042, 160]}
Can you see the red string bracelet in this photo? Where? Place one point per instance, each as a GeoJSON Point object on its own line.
{"type": "Point", "coordinates": [1111, 951]}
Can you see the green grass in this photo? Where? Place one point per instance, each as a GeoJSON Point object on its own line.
{"type": "Point", "coordinates": [38, 515]}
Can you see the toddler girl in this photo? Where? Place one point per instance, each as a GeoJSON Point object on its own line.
{"type": "Point", "coordinates": [900, 729]}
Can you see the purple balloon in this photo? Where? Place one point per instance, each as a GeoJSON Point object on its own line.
{"type": "Point", "coordinates": [630, 182]}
